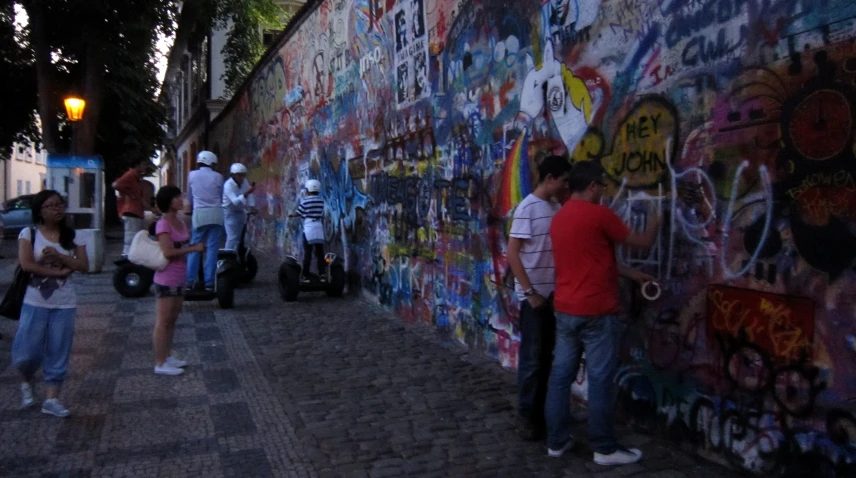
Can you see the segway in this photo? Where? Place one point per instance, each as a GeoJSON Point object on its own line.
{"type": "Point", "coordinates": [131, 280]}
{"type": "Point", "coordinates": [291, 281]}
{"type": "Point", "coordinates": [224, 281]}
{"type": "Point", "coordinates": [246, 264]}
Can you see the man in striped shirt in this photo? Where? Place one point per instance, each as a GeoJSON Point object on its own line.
{"type": "Point", "coordinates": [530, 256]}
{"type": "Point", "coordinates": [311, 209]}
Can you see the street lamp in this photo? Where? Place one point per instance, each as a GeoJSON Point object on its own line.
{"type": "Point", "coordinates": [74, 107]}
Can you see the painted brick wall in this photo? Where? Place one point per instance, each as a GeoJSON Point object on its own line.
{"type": "Point", "coordinates": [423, 119]}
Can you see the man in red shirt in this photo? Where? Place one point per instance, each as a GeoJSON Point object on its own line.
{"type": "Point", "coordinates": [131, 200]}
{"type": "Point", "coordinates": [584, 236]}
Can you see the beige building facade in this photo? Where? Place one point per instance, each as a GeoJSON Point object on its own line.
{"type": "Point", "coordinates": [24, 172]}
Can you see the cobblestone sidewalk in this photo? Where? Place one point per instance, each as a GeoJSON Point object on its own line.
{"type": "Point", "coordinates": [321, 387]}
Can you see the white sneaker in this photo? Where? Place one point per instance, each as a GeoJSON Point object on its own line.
{"type": "Point", "coordinates": [175, 362]}
{"type": "Point", "coordinates": [167, 369]}
{"type": "Point", "coordinates": [621, 456]}
{"type": "Point", "coordinates": [561, 451]}
{"type": "Point", "coordinates": [53, 407]}
{"type": "Point", "coordinates": [27, 399]}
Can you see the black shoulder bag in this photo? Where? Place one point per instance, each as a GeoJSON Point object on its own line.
{"type": "Point", "coordinates": [10, 307]}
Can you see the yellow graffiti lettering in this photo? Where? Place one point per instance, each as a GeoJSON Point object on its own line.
{"type": "Point", "coordinates": [639, 150]}
{"type": "Point", "coordinates": [731, 316]}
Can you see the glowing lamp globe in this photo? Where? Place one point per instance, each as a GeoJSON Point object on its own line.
{"type": "Point", "coordinates": [74, 108]}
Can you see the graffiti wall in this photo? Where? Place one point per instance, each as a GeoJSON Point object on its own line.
{"type": "Point", "coordinates": [424, 120]}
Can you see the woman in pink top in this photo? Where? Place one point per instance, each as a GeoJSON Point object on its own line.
{"type": "Point", "coordinates": [173, 238]}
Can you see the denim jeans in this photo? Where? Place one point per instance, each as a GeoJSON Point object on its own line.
{"type": "Point", "coordinates": [133, 225]}
{"type": "Point", "coordinates": [537, 339]}
{"type": "Point", "coordinates": [600, 337]}
{"type": "Point", "coordinates": [44, 339]}
{"type": "Point", "coordinates": [211, 234]}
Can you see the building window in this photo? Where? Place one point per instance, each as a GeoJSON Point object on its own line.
{"type": "Point", "coordinates": [203, 66]}
{"type": "Point", "coordinates": [29, 190]}
{"type": "Point", "coordinates": [270, 36]}
{"type": "Point", "coordinates": [40, 157]}
{"type": "Point", "coordinates": [20, 187]}
{"type": "Point", "coordinates": [187, 79]}
{"type": "Point", "coordinates": [194, 83]}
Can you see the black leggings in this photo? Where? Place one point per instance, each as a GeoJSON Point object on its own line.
{"type": "Point", "coordinates": [307, 256]}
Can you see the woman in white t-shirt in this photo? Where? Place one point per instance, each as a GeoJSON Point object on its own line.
{"type": "Point", "coordinates": [46, 328]}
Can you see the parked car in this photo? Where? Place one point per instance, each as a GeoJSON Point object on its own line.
{"type": "Point", "coordinates": [16, 215]}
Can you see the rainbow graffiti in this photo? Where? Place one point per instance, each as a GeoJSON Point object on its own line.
{"type": "Point", "coordinates": [516, 177]}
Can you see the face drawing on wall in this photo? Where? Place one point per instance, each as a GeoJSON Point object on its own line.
{"type": "Point", "coordinates": [400, 31]}
{"type": "Point", "coordinates": [421, 74]}
{"type": "Point", "coordinates": [320, 76]}
{"type": "Point", "coordinates": [402, 83]}
{"type": "Point", "coordinates": [567, 96]}
{"type": "Point", "coordinates": [417, 25]}
{"type": "Point", "coordinates": [579, 13]}
{"type": "Point", "coordinates": [559, 11]}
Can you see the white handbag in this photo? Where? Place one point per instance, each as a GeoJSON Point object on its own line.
{"type": "Point", "coordinates": [146, 252]}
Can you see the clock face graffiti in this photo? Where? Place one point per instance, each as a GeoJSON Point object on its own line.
{"type": "Point", "coordinates": [821, 125]}
{"type": "Point", "coordinates": [818, 134]}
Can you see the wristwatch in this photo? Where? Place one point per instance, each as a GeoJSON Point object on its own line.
{"type": "Point", "coordinates": [529, 292]}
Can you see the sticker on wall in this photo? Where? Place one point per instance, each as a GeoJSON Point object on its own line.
{"type": "Point", "coordinates": [411, 52]}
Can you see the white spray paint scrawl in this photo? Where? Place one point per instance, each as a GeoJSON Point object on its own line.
{"type": "Point", "coordinates": [411, 52]}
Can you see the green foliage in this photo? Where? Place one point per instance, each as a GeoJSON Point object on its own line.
{"type": "Point", "coordinates": [18, 77]}
{"type": "Point", "coordinates": [105, 49]}
{"type": "Point", "coordinates": [246, 20]}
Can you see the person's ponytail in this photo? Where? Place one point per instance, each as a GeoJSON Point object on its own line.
{"type": "Point", "coordinates": [66, 236]}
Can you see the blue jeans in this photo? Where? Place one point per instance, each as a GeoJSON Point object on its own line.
{"type": "Point", "coordinates": [211, 236]}
{"type": "Point", "coordinates": [600, 336]}
{"type": "Point", "coordinates": [537, 339]}
{"type": "Point", "coordinates": [44, 339]}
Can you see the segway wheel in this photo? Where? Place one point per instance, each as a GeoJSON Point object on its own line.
{"type": "Point", "coordinates": [289, 282]}
{"type": "Point", "coordinates": [225, 292]}
{"type": "Point", "coordinates": [250, 269]}
{"type": "Point", "coordinates": [132, 281]}
{"type": "Point", "coordinates": [337, 281]}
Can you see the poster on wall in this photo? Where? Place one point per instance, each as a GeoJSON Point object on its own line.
{"type": "Point", "coordinates": [411, 52]}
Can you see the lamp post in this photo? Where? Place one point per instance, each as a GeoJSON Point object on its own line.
{"type": "Point", "coordinates": [74, 108]}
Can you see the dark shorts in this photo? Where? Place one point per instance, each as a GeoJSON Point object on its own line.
{"type": "Point", "coordinates": [166, 291]}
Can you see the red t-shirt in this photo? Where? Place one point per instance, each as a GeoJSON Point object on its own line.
{"type": "Point", "coordinates": [130, 186]}
{"type": "Point", "coordinates": [584, 237]}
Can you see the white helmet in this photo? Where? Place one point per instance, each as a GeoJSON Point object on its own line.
{"type": "Point", "coordinates": [313, 185]}
{"type": "Point", "coordinates": [206, 157]}
{"type": "Point", "coordinates": [238, 168]}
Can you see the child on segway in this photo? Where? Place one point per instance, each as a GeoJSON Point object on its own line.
{"type": "Point", "coordinates": [311, 209]}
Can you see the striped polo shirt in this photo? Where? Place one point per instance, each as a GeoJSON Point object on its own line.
{"type": "Point", "coordinates": [311, 207]}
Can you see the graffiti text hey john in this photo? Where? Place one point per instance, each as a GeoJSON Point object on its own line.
{"type": "Point", "coordinates": [640, 160]}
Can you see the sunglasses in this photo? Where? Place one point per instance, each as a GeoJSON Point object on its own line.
{"type": "Point", "coordinates": [54, 205]}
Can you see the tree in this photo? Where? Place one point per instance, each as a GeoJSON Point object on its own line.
{"type": "Point", "coordinates": [245, 19]}
{"type": "Point", "coordinates": [104, 50]}
{"type": "Point", "coordinates": [18, 75]}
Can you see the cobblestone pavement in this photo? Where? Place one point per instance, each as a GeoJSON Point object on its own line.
{"type": "Point", "coordinates": [320, 387]}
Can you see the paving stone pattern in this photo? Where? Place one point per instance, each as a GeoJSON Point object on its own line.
{"type": "Point", "coordinates": [321, 387]}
